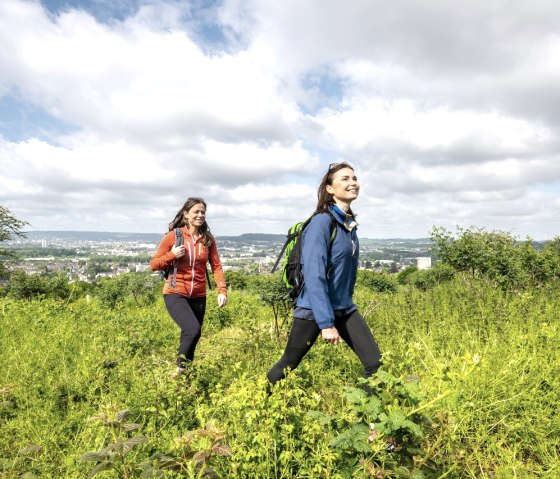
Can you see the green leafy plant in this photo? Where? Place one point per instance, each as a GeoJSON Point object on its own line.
{"type": "Point", "coordinates": [379, 282]}
{"type": "Point", "coordinates": [196, 452]}
{"type": "Point", "coordinates": [381, 433]}
{"type": "Point", "coordinates": [497, 255]}
{"type": "Point", "coordinates": [24, 460]}
{"type": "Point", "coordinates": [114, 455]}
{"type": "Point", "coordinates": [10, 226]}
{"type": "Point", "coordinates": [273, 293]}
{"type": "Point", "coordinates": [429, 278]}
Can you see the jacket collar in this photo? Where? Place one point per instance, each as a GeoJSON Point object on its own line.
{"type": "Point", "coordinates": [348, 221]}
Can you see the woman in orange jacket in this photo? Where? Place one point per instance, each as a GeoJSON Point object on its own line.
{"type": "Point", "coordinates": [185, 295]}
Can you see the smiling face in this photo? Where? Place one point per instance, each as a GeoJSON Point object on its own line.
{"type": "Point", "coordinates": [344, 187]}
{"type": "Point", "coordinates": [196, 216]}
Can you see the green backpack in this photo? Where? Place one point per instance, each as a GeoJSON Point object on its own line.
{"type": "Point", "coordinates": [292, 274]}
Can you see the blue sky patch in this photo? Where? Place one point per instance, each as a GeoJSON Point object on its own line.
{"type": "Point", "coordinates": [20, 121]}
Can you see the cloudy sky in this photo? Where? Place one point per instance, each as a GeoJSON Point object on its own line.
{"type": "Point", "coordinates": [113, 112]}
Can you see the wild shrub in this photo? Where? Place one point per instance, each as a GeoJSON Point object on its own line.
{"type": "Point", "coordinates": [10, 226]}
{"type": "Point", "coordinates": [235, 280]}
{"type": "Point", "coordinates": [542, 266]}
{"type": "Point", "coordinates": [218, 318]}
{"type": "Point", "coordinates": [381, 435]}
{"type": "Point", "coordinates": [36, 286]}
{"type": "Point", "coordinates": [403, 276]}
{"type": "Point", "coordinates": [194, 454]}
{"type": "Point", "coordinates": [497, 255]}
{"type": "Point", "coordinates": [428, 278]}
{"type": "Point", "coordinates": [140, 288]}
{"type": "Point", "coordinates": [273, 293]}
{"type": "Point", "coordinates": [379, 282]}
{"type": "Point", "coordinates": [112, 292]}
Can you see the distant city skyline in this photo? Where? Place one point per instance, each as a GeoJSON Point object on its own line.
{"type": "Point", "coordinates": [113, 113]}
{"type": "Point", "coordinates": [48, 238]}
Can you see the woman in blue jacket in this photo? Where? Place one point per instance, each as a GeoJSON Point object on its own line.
{"type": "Point", "coordinates": [325, 306]}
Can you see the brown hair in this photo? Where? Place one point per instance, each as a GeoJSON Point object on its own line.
{"type": "Point", "coordinates": [179, 221]}
{"type": "Point", "coordinates": [324, 198]}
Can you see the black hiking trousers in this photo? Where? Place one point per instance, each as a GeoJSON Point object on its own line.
{"type": "Point", "coordinates": [352, 329]}
{"type": "Point", "coordinates": [188, 313]}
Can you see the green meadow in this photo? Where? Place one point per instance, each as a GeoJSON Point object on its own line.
{"type": "Point", "coordinates": [470, 388]}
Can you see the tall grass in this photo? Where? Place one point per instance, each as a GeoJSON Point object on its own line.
{"type": "Point", "coordinates": [487, 363]}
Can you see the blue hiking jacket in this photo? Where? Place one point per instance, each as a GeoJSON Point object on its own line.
{"type": "Point", "coordinates": [329, 271]}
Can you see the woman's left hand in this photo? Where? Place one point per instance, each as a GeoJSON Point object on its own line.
{"type": "Point", "coordinates": [222, 300]}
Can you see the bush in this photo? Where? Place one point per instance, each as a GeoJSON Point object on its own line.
{"type": "Point", "coordinates": [404, 275]}
{"type": "Point", "coordinates": [428, 278]}
{"type": "Point", "coordinates": [235, 280]}
{"type": "Point", "coordinates": [379, 282]}
{"type": "Point", "coordinates": [31, 286]}
{"type": "Point", "coordinates": [497, 255]}
{"type": "Point", "coordinates": [139, 288]}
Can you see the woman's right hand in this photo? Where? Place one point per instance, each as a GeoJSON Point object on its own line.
{"type": "Point", "coordinates": [330, 335]}
{"type": "Point", "coordinates": [178, 251]}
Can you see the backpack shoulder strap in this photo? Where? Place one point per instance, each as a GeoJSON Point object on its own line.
{"type": "Point", "coordinates": [178, 242]}
{"type": "Point", "coordinates": [178, 237]}
{"type": "Point", "coordinates": [208, 280]}
{"type": "Point", "coordinates": [334, 228]}
{"type": "Point", "coordinates": [294, 232]}
{"type": "Point", "coordinates": [291, 235]}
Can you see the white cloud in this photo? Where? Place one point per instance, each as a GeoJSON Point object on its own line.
{"type": "Point", "coordinates": [449, 110]}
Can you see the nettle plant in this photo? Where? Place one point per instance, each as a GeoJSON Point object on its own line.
{"type": "Point", "coordinates": [195, 451]}
{"type": "Point", "coordinates": [381, 434]}
{"type": "Point", "coordinates": [28, 459]}
{"type": "Point", "coordinates": [114, 455]}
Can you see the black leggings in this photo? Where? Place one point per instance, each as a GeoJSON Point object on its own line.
{"type": "Point", "coordinates": [351, 327]}
{"type": "Point", "coordinates": [188, 313]}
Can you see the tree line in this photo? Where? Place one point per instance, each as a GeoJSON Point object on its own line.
{"type": "Point", "coordinates": [498, 256]}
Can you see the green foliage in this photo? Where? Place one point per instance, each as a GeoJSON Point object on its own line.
{"type": "Point", "coordinates": [195, 453]}
{"type": "Point", "coordinates": [383, 432]}
{"type": "Point", "coordinates": [31, 286]}
{"type": "Point", "coordinates": [112, 292]}
{"type": "Point", "coordinates": [10, 226]}
{"type": "Point", "coordinates": [115, 454]}
{"type": "Point", "coordinates": [219, 318]}
{"type": "Point", "coordinates": [140, 288]}
{"type": "Point", "coordinates": [256, 282]}
{"type": "Point", "coordinates": [403, 276]}
{"type": "Point", "coordinates": [33, 252]}
{"type": "Point", "coordinates": [379, 282]}
{"type": "Point", "coordinates": [469, 389]}
{"type": "Point", "coordinates": [236, 280]}
{"type": "Point", "coordinates": [429, 278]}
{"type": "Point", "coordinates": [273, 293]}
{"type": "Point", "coordinates": [497, 255]}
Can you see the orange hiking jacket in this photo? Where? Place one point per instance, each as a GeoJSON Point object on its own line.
{"type": "Point", "coordinates": [191, 268]}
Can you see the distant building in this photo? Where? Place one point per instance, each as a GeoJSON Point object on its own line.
{"type": "Point", "coordinates": [423, 262]}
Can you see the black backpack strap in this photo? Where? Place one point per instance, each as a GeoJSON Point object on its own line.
{"type": "Point", "coordinates": [291, 236]}
{"type": "Point", "coordinates": [334, 225]}
{"type": "Point", "coordinates": [178, 242]}
{"type": "Point", "coordinates": [206, 268]}
{"type": "Point", "coordinates": [294, 292]}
